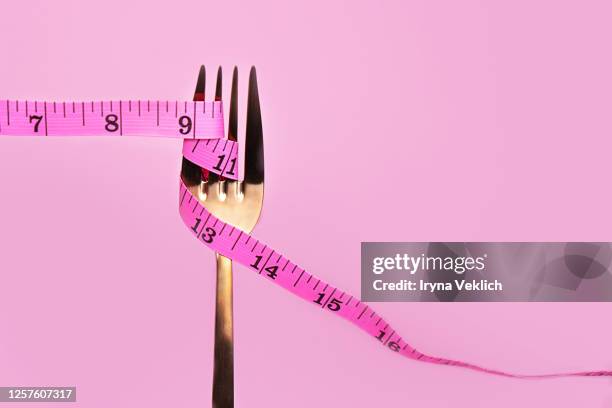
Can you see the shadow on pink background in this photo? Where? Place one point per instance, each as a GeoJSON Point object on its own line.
{"type": "Point", "coordinates": [407, 121]}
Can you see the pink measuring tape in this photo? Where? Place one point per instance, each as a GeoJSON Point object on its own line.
{"type": "Point", "coordinates": [200, 125]}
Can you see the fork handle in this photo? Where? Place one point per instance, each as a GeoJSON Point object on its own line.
{"type": "Point", "coordinates": [223, 371]}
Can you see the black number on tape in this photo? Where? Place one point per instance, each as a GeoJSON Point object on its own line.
{"type": "Point", "coordinates": [233, 165]}
{"type": "Point", "coordinates": [392, 345]}
{"type": "Point", "coordinates": [38, 119]}
{"type": "Point", "coordinates": [218, 165]}
{"type": "Point", "coordinates": [333, 304]}
{"type": "Point", "coordinates": [271, 271]}
{"type": "Point", "coordinates": [257, 261]}
{"type": "Point", "coordinates": [186, 124]}
{"type": "Point", "coordinates": [197, 224]}
{"type": "Point", "coordinates": [111, 123]}
{"type": "Point", "coordinates": [208, 235]}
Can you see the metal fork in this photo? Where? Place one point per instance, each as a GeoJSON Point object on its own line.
{"type": "Point", "coordinates": [236, 203]}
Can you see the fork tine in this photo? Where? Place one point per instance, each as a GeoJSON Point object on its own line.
{"type": "Point", "coordinates": [200, 90]}
{"type": "Point", "coordinates": [232, 131]}
{"type": "Point", "coordinates": [190, 172]}
{"type": "Point", "coordinates": [219, 87]}
{"type": "Point", "coordinates": [210, 176]}
{"type": "Point", "coordinates": [231, 187]}
{"type": "Point", "coordinates": [254, 153]}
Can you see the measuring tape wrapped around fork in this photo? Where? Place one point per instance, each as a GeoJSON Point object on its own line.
{"type": "Point", "coordinates": [200, 125]}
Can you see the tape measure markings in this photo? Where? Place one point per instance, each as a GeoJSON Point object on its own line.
{"type": "Point", "coordinates": [192, 122]}
{"type": "Point", "coordinates": [328, 298]}
{"type": "Point", "coordinates": [207, 228]}
{"type": "Point", "coordinates": [112, 118]}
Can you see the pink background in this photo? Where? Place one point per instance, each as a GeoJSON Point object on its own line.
{"type": "Point", "coordinates": [406, 120]}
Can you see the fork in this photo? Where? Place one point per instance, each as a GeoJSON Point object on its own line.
{"type": "Point", "coordinates": [236, 203]}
